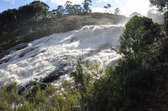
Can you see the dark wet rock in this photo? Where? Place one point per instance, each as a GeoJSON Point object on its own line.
{"type": "Point", "coordinates": [63, 69]}
{"type": "Point", "coordinates": [15, 48]}
{"type": "Point", "coordinates": [3, 54]}
{"type": "Point", "coordinates": [26, 51]}
{"type": "Point", "coordinates": [4, 60]}
{"type": "Point", "coordinates": [38, 53]}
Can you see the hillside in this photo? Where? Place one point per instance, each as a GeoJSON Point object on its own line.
{"type": "Point", "coordinates": [26, 31]}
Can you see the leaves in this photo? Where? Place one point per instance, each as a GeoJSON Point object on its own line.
{"type": "Point", "coordinates": [138, 42]}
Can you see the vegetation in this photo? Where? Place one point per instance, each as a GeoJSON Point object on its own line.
{"type": "Point", "coordinates": [32, 21]}
{"type": "Point", "coordinates": [161, 4]}
{"type": "Point", "coordinates": [93, 88]}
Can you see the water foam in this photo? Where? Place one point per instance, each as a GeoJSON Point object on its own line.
{"type": "Point", "coordinates": [42, 56]}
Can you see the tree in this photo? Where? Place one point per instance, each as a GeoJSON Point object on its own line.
{"type": "Point", "coordinates": [107, 8]}
{"type": "Point", "coordinates": [9, 16]}
{"type": "Point", "coordinates": [26, 12]}
{"type": "Point", "coordinates": [68, 7]}
{"type": "Point", "coordinates": [138, 37]}
{"type": "Point", "coordinates": [166, 22]}
{"type": "Point", "coordinates": [35, 10]}
{"type": "Point", "coordinates": [40, 9]}
{"type": "Point", "coordinates": [77, 8]}
{"type": "Point", "coordinates": [117, 11]}
{"type": "Point", "coordinates": [162, 7]}
{"type": "Point", "coordinates": [156, 17]}
{"type": "Point", "coordinates": [60, 10]}
{"type": "Point", "coordinates": [161, 4]}
{"type": "Point", "coordinates": [135, 14]}
{"type": "Point", "coordinates": [86, 7]}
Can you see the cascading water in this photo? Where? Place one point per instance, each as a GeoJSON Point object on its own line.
{"type": "Point", "coordinates": [59, 52]}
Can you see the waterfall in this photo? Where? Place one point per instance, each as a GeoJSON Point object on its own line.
{"type": "Point", "coordinates": [46, 55]}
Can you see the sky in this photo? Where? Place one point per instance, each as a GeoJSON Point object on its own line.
{"type": "Point", "coordinates": [126, 6]}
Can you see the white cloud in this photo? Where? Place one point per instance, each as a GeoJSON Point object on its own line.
{"type": "Point", "coordinates": [44, 0]}
{"type": "Point", "coordinates": [116, 1]}
{"type": "Point", "coordinates": [62, 2]}
{"type": "Point", "coordinates": [140, 6]}
{"type": "Point", "coordinates": [102, 0]}
{"type": "Point", "coordinates": [129, 6]}
{"type": "Point", "coordinates": [40, 0]}
{"type": "Point", "coordinates": [11, 1]}
{"type": "Point", "coordinates": [100, 9]}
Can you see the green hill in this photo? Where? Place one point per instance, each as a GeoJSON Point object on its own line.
{"type": "Point", "coordinates": [25, 31]}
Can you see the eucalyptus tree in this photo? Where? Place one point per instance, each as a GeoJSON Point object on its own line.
{"type": "Point", "coordinates": [86, 8]}
{"type": "Point", "coordinates": [77, 8]}
{"type": "Point", "coordinates": [26, 12]}
{"type": "Point", "coordinates": [60, 10]}
{"type": "Point", "coordinates": [117, 11]}
{"type": "Point", "coordinates": [40, 9]}
{"type": "Point", "coordinates": [107, 8]}
{"type": "Point", "coordinates": [162, 6]}
{"type": "Point", "coordinates": [9, 16]}
{"type": "Point", "coordinates": [68, 7]}
{"type": "Point", "coordinates": [34, 10]}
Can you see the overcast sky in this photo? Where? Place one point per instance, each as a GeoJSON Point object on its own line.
{"type": "Point", "coordinates": [126, 6]}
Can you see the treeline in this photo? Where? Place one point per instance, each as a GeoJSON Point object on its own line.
{"type": "Point", "coordinates": [70, 8]}
{"type": "Point", "coordinates": [34, 20]}
{"type": "Point", "coordinates": [13, 21]}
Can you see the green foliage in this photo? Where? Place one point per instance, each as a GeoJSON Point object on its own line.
{"type": "Point", "coordinates": [5, 106]}
{"type": "Point", "coordinates": [8, 96]}
{"type": "Point", "coordinates": [143, 41]}
{"type": "Point", "coordinates": [86, 8]}
{"type": "Point", "coordinates": [37, 99]}
{"type": "Point", "coordinates": [166, 22]}
{"type": "Point", "coordinates": [9, 93]}
{"type": "Point", "coordinates": [115, 88]}
{"type": "Point", "coordinates": [35, 10]}
{"type": "Point", "coordinates": [159, 3]}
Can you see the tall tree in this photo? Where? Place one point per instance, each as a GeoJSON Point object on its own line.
{"type": "Point", "coordinates": [117, 11]}
{"type": "Point", "coordinates": [9, 16]}
{"type": "Point", "coordinates": [86, 7]}
{"type": "Point", "coordinates": [26, 12]}
{"type": "Point", "coordinates": [60, 10]}
{"type": "Point", "coordinates": [163, 7]}
{"type": "Point", "coordinates": [77, 8]}
{"type": "Point", "coordinates": [161, 4]}
{"type": "Point", "coordinates": [68, 7]}
{"type": "Point", "coordinates": [40, 9]}
{"type": "Point", "coordinates": [140, 35]}
{"type": "Point", "coordinates": [156, 17]}
{"type": "Point", "coordinates": [107, 8]}
{"type": "Point", "coordinates": [134, 14]}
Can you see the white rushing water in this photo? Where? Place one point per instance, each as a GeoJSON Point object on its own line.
{"type": "Point", "coordinates": [42, 56]}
